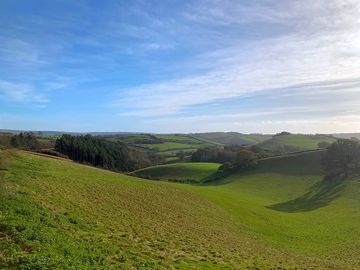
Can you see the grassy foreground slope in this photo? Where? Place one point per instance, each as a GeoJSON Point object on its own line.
{"type": "Point", "coordinates": [56, 214]}
{"type": "Point", "coordinates": [189, 171]}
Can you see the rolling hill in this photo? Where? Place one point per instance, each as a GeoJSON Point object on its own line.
{"type": "Point", "coordinates": [347, 135]}
{"type": "Point", "coordinates": [295, 142]}
{"type": "Point", "coordinates": [232, 138]}
{"type": "Point", "coordinates": [188, 172]}
{"type": "Point", "coordinates": [61, 215]}
{"type": "Point", "coordinates": [167, 145]}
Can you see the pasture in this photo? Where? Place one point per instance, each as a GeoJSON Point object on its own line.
{"type": "Point", "coordinates": [58, 214]}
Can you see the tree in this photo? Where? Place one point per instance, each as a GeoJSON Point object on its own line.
{"type": "Point", "coordinates": [323, 145]}
{"type": "Point", "coordinates": [342, 159]}
{"type": "Point", "coordinates": [101, 152]}
{"type": "Point", "coordinates": [225, 166]}
{"type": "Point", "coordinates": [246, 159]}
{"type": "Point", "coordinates": [26, 141]}
{"type": "Point", "coordinates": [180, 155]}
{"type": "Point", "coordinates": [283, 133]}
{"type": "Point", "coordinates": [207, 154]}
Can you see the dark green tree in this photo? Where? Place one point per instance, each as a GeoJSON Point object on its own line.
{"type": "Point", "coordinates": [25, 141]}
{"type": "Point", "coordinates": [246, 159]}
{"type": "Point", "coordinates": [323, 145]}
{"type": "Point", "coordinates": [100, 152]}
{"type": "Point", "coordinates": [180, 155]}
{"type": "Point", "coordinates": [225, 166]}
{"type": "Point", "coordinates": [342, 159]}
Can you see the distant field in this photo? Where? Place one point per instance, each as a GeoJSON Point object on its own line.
{"type": "Point", "coordinates": [194, 172]}
{"type": "Point", "coordinates": [166, 145]}
{"type": "Point", "coordinates": [57, 214]}
{"type": "Point", "coordinates": [232, 138]}
{"type": "Point", "coordinates": [295, 142]}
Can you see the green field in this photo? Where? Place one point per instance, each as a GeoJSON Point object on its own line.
{"type": "Point", "coordinates": [232, 138]}
{"type": "Point", "coordinates": [295, 142]}
{"type": "Point", "coordinates": [191, 172]}
{"type": "Point", "coordinates": [168, 146]}
{"type": "Point", "coordinates": [56, 214]}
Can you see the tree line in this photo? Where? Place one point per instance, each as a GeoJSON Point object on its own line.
{"type": "Point", "coordinates": [99, 152]}
{"type": "Point", "coordinates": [25, 141]}
{"type": "Point", "coordinates": [230, 156]}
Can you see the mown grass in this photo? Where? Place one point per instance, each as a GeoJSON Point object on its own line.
{"type": "Point", "coordinates": [188, 172]}
{"type": "Point", "coordinates": [61, 215]}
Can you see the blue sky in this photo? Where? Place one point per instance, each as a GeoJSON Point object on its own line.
{"type": "Point", "coordinates": [180, 66]}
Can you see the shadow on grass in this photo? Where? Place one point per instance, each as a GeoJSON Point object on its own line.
{"type": "Point", "coordinates": [219, 178]}
{"type": "Point", "coordinates": [320, 195]}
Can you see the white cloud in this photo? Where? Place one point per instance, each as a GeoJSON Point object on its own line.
{"type": "Point", "coordinates": [20, 92]}
{"type": "Point", "coordinates": [322, 46]}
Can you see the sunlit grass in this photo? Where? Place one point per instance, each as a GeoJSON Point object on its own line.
{"type": "Point", "coordinates": [61, 215]}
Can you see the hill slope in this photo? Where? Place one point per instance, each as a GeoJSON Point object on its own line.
{"type": "Point", "coordinates": [166, 145]}
{"type": "Point", "coordinates": [232, 138]}
{"type": "Point", "coordinates": [295, 142]}
{"type": "Point", "coordinates": [286, 202]}
{"type": "Point", "coordinates": [58, 214]}
{"type": "Point", "coordinates": [191, 171]}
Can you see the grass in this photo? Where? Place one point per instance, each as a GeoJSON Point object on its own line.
{"type": "Point", "coordinates": [296, 142]}
{"type": "Point", "coordinates": [286, 202]}
{"type": "Point", "coordinates": [61, 215]}
{"type": "Point", "coordinates": [56, 214]}
{"type": "Point", "coordinates": [170, 145]}
{"type": "Point", "coordinates": [232, 138]}
{"type": "Point", "coordinates": [189, 172]}
{"type": "Point", "coordinates": [166, 146]}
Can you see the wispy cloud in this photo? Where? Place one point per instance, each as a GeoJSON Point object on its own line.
{"type": "Point", "coordinates": [172, 62]}
{"type": "Point", "coordinates": [322, 45]}
{"type": "Point", "coordinates": [20, 92]}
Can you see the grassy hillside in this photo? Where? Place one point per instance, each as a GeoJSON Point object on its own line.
{"type": "Point", "coordinates": [295, 142]}
{"type": "Point", "coordinates": [232, 138]}
{"type": "Point", "coordinates": [190, 172]}
{"type": "Point", "coordinates": [56, 214]}
{"type": "Point", "coordinates": [286, 202]}
{"type": "Point", "coordinates": [59, 214]}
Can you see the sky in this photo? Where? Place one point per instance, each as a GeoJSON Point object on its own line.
{"type": "Point", "coordinates": [260, 66]}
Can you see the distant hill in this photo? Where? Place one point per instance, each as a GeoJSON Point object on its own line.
{"type": "Point", "coordinates": [59, 133]}
{"type": "Point", "coordinates": [294, 142]}
{"type": "Point", "coordinates": [233, 138]}
{"type": "Point", "coordinates": [347, 135]}
{"type": "Point", "coordinates": [166, 145]}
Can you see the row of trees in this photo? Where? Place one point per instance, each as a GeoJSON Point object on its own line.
{"type": "Point", "coordinates": [100, 152]}
{"type": "Point", "coordinates": [230, 156]}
